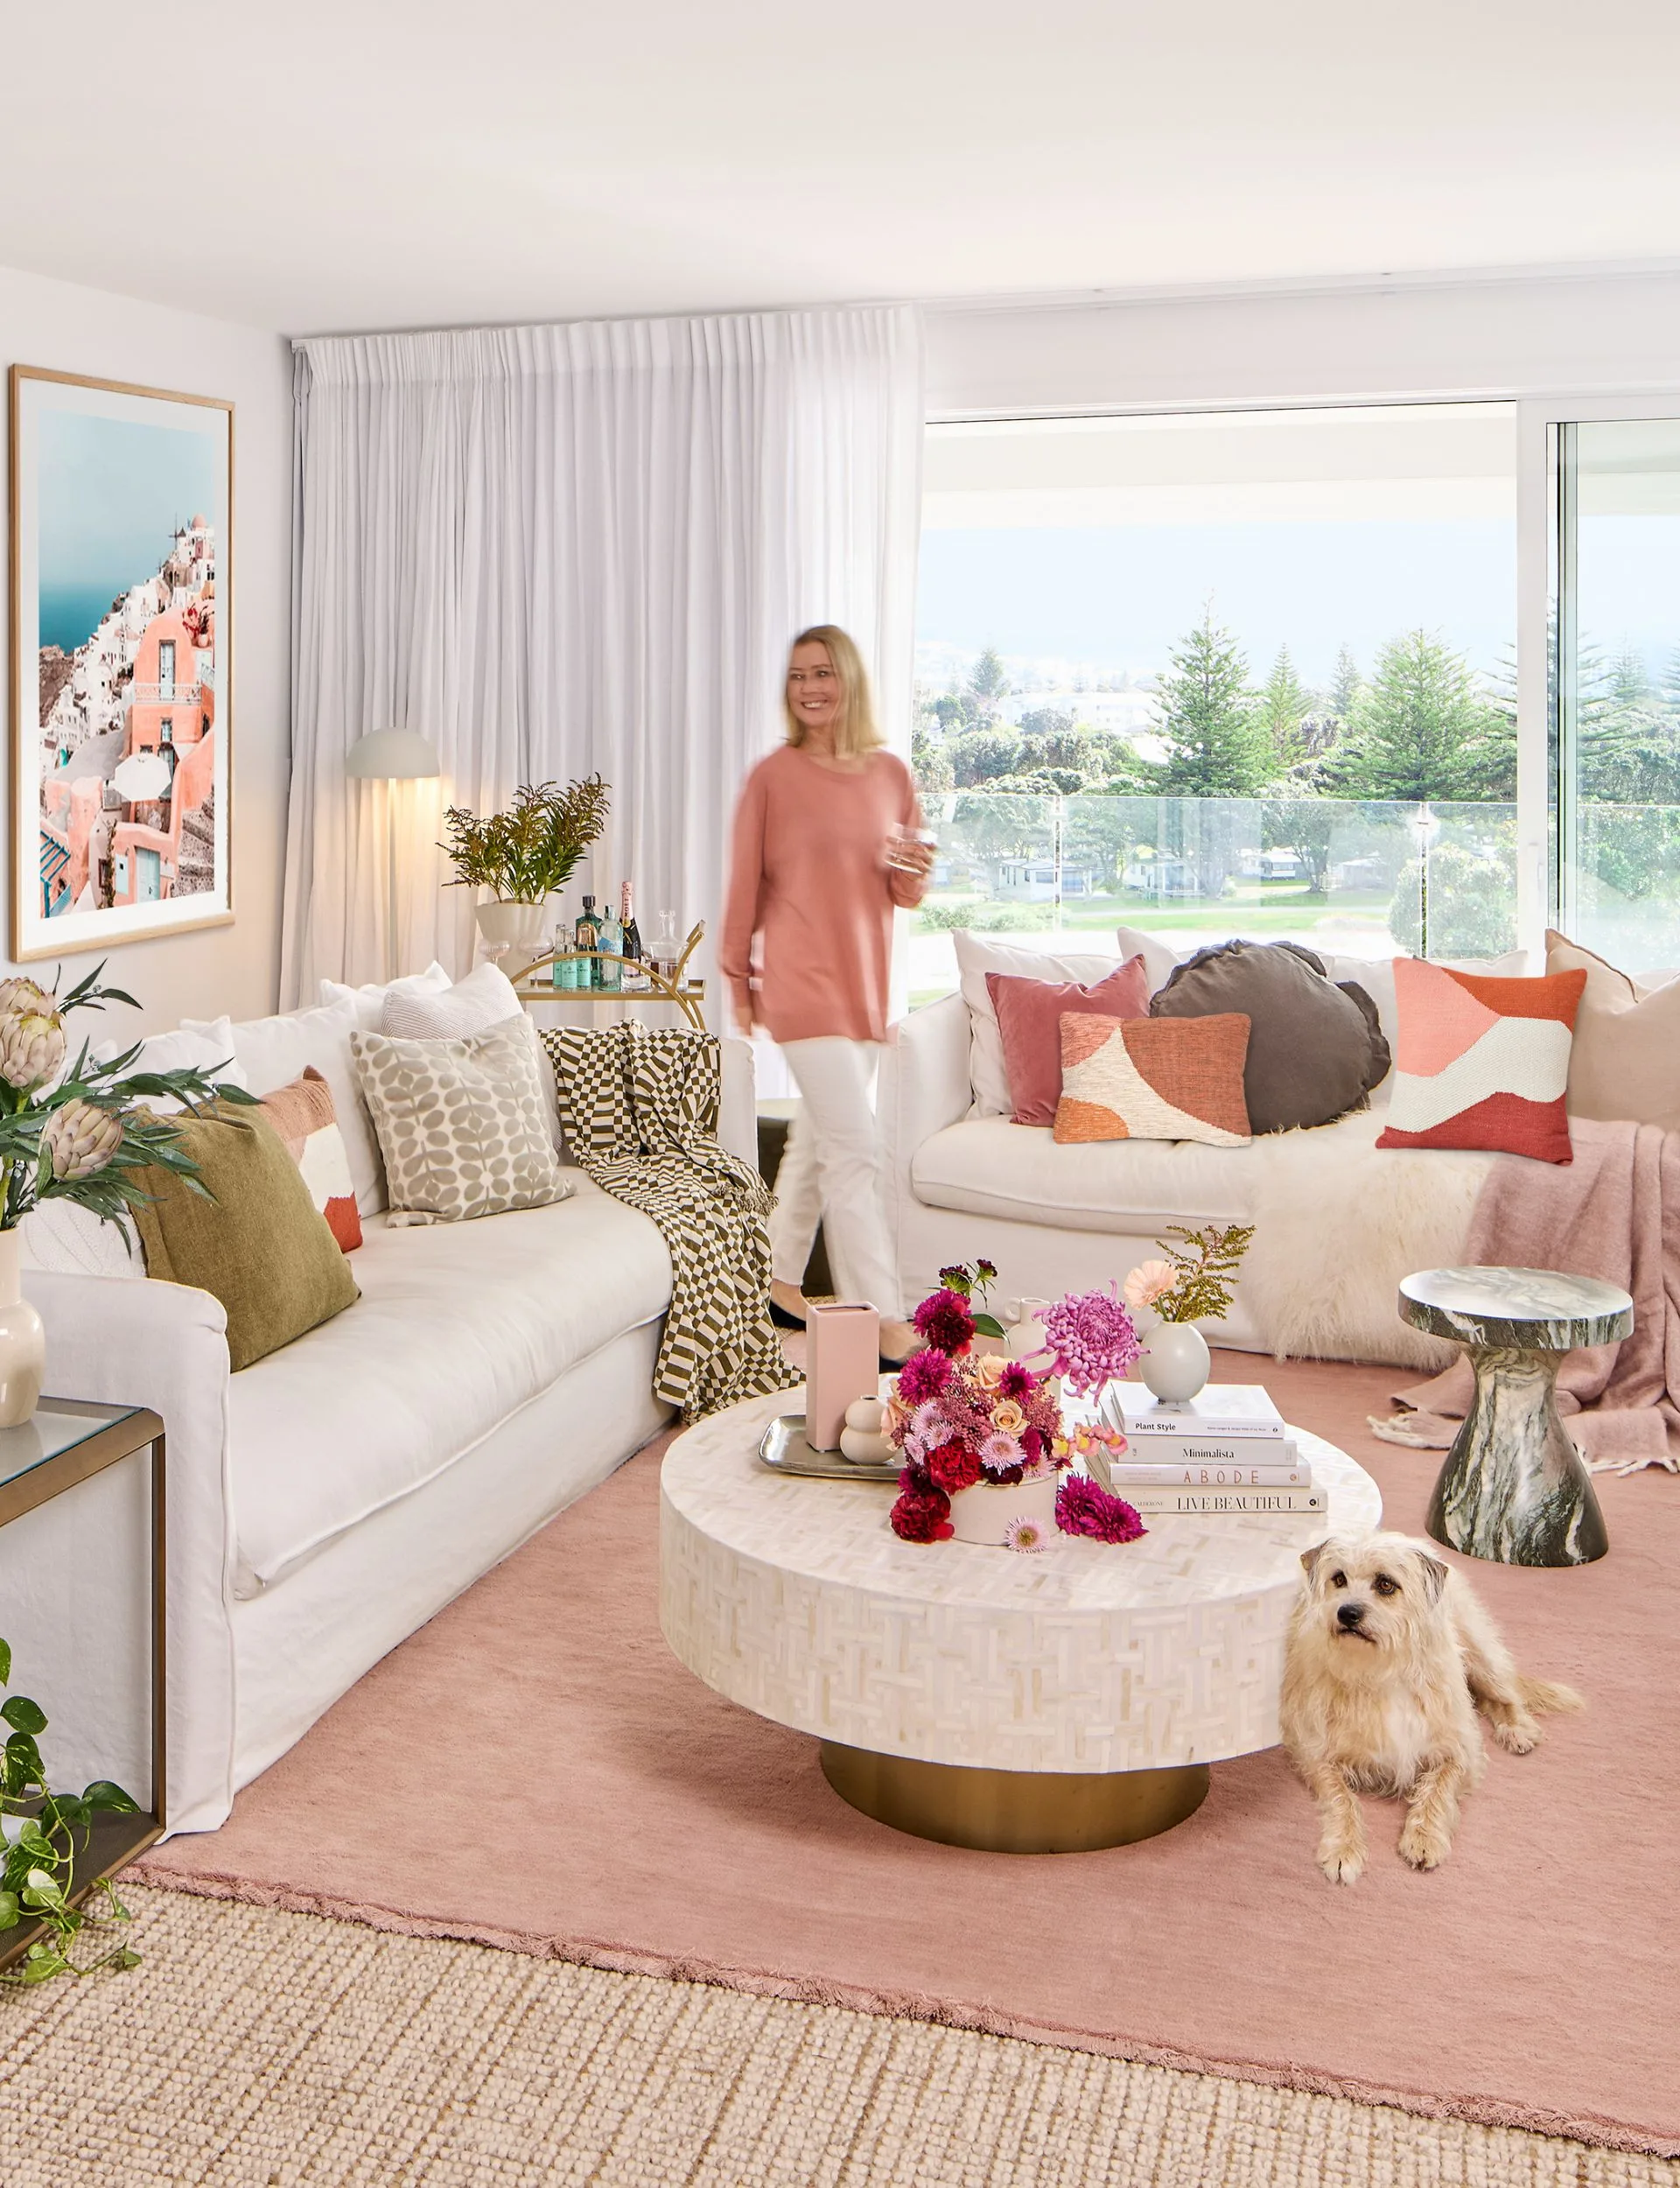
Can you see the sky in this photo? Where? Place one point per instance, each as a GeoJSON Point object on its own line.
{"type": "Point", "coordinates": [111, 492]}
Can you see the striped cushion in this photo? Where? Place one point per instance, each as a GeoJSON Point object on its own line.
{"type": "Point", "coordinates": [1482, 1063]}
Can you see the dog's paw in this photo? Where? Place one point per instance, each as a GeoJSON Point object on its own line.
{"type": "Point", "coordinates": [1519, 1736]}
{"type": "Point", "coordinates": [1423, 1845]}
{"type": "Point", "coordinates": [1342, 1864]}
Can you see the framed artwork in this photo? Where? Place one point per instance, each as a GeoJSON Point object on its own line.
{"type": "Point", "coordinates": [122, 525]}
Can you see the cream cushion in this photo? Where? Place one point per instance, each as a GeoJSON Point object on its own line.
{"type": "Point", "coordinates": [369, 997]}
{"type": "Point", "coordinates": [1625, 1059]}
{"type": "Point", "coordinates": [457, 1329]}
{"type": "Point", "coordinates": [484, 999]}
{"type": "Point", "coordinates": [462, 1123]}
{"type": "Point", "coordinates": [976, 957]}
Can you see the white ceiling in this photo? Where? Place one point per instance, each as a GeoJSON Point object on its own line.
{"type": "Point", "coordinates": [352, 164]}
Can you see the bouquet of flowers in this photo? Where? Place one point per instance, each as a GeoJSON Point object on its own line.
{"type": "Point", "coordinates": [1197, 1280]}
{"type": "Point", "coordinates": [962, 1418]}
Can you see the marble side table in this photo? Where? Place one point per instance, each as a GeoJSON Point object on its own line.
{"type": "Point", "coordinates": [1043, 1704]}
{"type": "Point", "coordinates": [1515, 1488]}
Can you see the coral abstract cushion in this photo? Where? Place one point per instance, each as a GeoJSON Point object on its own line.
{"type": "Point", "coordinates": [1482, 1063]}
{"type": "Point", "coordinates": [1153, 1078]}
{"type": "Point", "coordinates": [1029, 1017]}
{"type": "Point", "coordinates": [303, 1115]}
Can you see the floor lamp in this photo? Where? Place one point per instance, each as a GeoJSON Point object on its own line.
{"type": "Point", "coordinates": [391, 756]}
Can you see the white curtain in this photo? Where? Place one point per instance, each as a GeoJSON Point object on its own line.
{"type": "Point", "coordinates": [559, 550]}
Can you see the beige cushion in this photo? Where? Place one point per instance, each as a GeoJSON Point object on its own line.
{"type": "Point", "coordinates": [1625, 1060]}
{"type": "Point", "coordinates": [461, 1123]}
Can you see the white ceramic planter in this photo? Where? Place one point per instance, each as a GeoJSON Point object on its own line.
{"type": "Point", "coordinates": [519, 927]}
{"type": "Point", "coordinates": [985, 1512]}
{"type": "Point", "coordinates": [22, 1340]}
{"type": "Point", "coordinates": [1175, 1362]}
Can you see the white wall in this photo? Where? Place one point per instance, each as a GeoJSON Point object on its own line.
{"type": "Point", "coordinates": [1352, 342]}
{"type": "Point", "coordinates": [70, 329]}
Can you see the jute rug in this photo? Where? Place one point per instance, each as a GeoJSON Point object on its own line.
{"type": "Point", "coordinates": [534, 1769]}
{"type": "Point", "coordinates": [258, 2049]}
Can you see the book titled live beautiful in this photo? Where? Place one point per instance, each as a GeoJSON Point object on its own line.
{"type": "Point", "coordinates": [1160, 1502]}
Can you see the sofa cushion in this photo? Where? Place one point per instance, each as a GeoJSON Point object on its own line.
{"type": "Point", "coordinates": [986, 1166]}
{"type": "Point", "coordinates": [1482, 1064]}
{"type": "Point", "coordinates": [459, 1327]}
{"type": "Point", "coordinates": [303, 1115]}
{"type": "Point", "coordinates": [1029, 1014]}
{"type": "Point", "coordinates": [975, 958]}
{"type": "Point", "coordinates": [1625, 1060]}
{"type": "Point", "coordinates": [1315, 1047]}
{"type": "Point", "coordinates": [1153, 1078]}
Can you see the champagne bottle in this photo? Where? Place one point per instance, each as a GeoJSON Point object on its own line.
{"type": "Point", "coordinates": [635, 977]}
{"type": "Point", "coordinates": [587, 935]}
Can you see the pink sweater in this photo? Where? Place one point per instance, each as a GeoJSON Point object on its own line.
{"type": "Point", "coordinates": [806, 878]}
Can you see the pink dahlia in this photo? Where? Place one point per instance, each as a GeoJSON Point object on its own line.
{"type": "Point", "coordinates": [1085, 1507]}
{"type": "Point", "coordinates": [1092, 1337]}
{"type": "Point", "coordinates": [924, 1374]}
{"type": "Point", "coordinates": [1016, 1381]}
{"type": "Point", "coordinates": [922, 1513]}
{"type": "Point", "coordinates": [943, 1320]}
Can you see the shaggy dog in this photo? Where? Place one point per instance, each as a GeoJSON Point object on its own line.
{"type": "Point", "coordinates": [1389, 1657]}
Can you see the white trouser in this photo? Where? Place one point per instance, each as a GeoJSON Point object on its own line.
{"type": "Point", "coordinates": [832, 1170]}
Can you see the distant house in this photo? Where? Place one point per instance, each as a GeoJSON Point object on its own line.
{"type": "Point", "coordinates": [1033, 881]}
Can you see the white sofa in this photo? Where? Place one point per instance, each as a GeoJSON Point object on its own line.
{"type": "Point", "coordinates": [1338, 1222]}
{"type": "Point", "coordinates": [329, 1499]}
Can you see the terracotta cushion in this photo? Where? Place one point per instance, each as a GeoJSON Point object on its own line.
{"type": "Point", "coordinates": [1153, 1078]}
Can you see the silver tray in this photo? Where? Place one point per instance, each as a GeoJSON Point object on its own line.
{"type": "Point", "coordinates": [782, 1447]}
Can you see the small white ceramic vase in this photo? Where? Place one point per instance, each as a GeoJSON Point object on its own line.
{"type": "Point", "coordinates": [518, 928]}
{"type": "Point", "coordinates": [22, 1340]}
{"type": "Point", "coordinates": [985, 1512]}
{"type": "Point", "coordinates": [1174, 1362]}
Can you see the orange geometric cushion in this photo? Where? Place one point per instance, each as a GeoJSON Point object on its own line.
{"type": "Point", "coordinates": [303, 1117]}
{"type": "Point", "coordinates": [1480, 1062]}
{"type": "Point", "coordinates": [1154, 1078]}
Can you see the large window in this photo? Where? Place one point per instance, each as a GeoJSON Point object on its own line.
{"type": "Point", "coordinates": [1246, 673]}
{"type": "Point", "coordinates": [1616, 688]}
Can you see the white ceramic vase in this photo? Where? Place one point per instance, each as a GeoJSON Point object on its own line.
{"type": "Point", "coordinates": [22, 1340]}
{"type": "Point", "coordinates": [985, 1512]}
{"type": "Point", "coordinates": [519, 928]}
{"type": "Point", "coordinates": [1174, 1362]}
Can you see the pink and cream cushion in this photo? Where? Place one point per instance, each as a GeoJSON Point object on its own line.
{"type": "Point", "coordinates": [1154, 1078]}
{"type": "Point", "coordinates": [1481, 1062]}
{"type": "Point", "coordinates": [303, 1117]}
{"type": "Point", "coordinates": [1029, 1015]}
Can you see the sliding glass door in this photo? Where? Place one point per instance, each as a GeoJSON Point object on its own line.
{"type": "Point", "coordinates": [1614, 687]}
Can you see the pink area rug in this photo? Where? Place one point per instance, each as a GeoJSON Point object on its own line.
{"type": "Point", "coordinates": [534, 1769]}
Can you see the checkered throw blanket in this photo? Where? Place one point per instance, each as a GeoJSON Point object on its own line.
{"type": "Point", "coordinates": [640, 1109]}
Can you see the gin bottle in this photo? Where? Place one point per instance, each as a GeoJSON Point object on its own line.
{"type": "Point", "coordinates": [612, 950]}
{"type": "Point", "coordinates": [587, 935]}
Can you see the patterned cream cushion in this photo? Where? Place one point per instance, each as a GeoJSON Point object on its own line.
{"type": "Point", "coordinates": [462, 1124]}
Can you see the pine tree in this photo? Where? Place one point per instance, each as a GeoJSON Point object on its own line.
{"type": "Point", "coordinates": [1346, 685]}
{"type": "Point", "coordinates": [1285, 704]}
{"type": "Point", "coordinates": [1218, 745]}
{"type": "Point", "coordinates": [1425, 730]}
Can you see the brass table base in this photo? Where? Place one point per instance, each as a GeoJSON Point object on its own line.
{"type": "Point", "coordinates": [1014, 1811]}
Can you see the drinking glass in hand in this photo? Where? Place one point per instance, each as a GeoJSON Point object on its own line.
{"type": "Point", "coordinates": [909, 849]}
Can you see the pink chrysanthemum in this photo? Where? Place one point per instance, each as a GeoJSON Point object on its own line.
{"type": "Point", "coordinates": [1027, 1535]}
{"type": "Point", "coordinates": [924, 1374]}
{"type": "Point", "coordinates": [1000, 1452]}
{"type": "Point", "coordinates": [1085, 1507]}
{"type": "Point", "coordinates": [1092, 1337]}
{"type": "Point", "coordinates": [943, 1320]}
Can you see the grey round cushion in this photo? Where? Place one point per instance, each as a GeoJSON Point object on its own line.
{"type": "Point", "coordinates": [1315, 1047]}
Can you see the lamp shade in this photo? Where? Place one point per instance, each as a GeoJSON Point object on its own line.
{"type": "Point", "coordinates": [391, 755]}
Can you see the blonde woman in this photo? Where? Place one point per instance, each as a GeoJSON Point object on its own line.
{"type": "Point", "coordinates": [826, 845]}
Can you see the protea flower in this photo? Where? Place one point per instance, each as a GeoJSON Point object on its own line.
{"type": "Point", "coordinates": [31, 1040]}
{"type": "Point", "coordinates": [19, 994]}
{"type": "Point", "coordinates": [80, 1139]}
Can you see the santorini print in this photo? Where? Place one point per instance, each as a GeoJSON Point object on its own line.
{"type": "Point", "coordinates": [121, 501]}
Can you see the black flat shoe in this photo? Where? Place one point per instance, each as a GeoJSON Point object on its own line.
{"type": "Point", "coordinates": [890, 1367]}
{"type": "Point", "coordinates": [783, 1320]}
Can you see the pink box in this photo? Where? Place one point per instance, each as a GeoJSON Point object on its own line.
{"type": "Point", "coordinates": [843, 1353]}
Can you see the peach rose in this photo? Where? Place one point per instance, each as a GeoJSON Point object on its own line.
{"type": "Point", "coordinates": [1008, 1418]}
{"type": "Point", "coordinates": [987, 1369]}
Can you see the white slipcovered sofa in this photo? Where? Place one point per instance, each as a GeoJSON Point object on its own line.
{"type": "Point", "coordinates": [329, 1499]}
{"type": "Point", "coordinates": [1338, 1222]}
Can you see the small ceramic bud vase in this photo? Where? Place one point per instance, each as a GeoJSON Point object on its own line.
{"type": "Point", "coordinates": [22, 1340]}
{"type": "Point", "coordinates": [1174, 1362]}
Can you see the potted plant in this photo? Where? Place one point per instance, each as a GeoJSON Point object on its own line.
{"type": "Point", "coordinates": [81, 1134]}
{"type": "Point", "coordinates": [525, 854]}
{"type": "Point", "coordinates": [1196, 1282]}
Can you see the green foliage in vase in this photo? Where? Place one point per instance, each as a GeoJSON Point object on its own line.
{"type": "Point", "coordinates": [36, 1880]}
{"type": "Point", "coordinates": [1207, 1261]}
{"type": "Point", "coordinates": [525, 853]}
{"type": "Point", "coordinates": [79, 1130]}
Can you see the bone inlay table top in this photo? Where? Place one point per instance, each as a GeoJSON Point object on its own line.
{"type": "Point", "coordinates": [795, 1598]}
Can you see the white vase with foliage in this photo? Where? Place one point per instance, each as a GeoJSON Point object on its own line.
{"type": "Point", "coordinates": [524, 857]}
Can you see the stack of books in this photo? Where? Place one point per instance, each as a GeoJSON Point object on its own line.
{"type": "Point", "coordinates": [1227, 1450]}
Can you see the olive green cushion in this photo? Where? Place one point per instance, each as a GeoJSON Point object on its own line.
{"type": "Point", "coordinates": [261, 1246]}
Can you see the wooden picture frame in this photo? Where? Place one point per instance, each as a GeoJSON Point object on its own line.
{"type": "Point", "coordinates": [122, 506]}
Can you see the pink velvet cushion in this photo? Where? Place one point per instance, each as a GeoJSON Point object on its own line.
{"type": "Point", "coordinates": [1029, 1017]}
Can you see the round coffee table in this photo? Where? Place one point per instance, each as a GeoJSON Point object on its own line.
{"type": "Point", "coordinates": [1514, 1489]}
{"type": "Point", "coordinates": [1024, 1704]}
